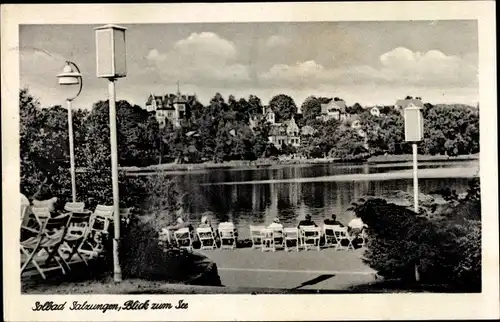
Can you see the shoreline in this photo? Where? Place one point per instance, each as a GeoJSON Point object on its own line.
{"type": "Point", "coordinates": [261, 163]}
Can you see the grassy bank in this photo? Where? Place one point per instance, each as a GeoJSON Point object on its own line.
{"type": "Point", "coordinates": [289, 161]}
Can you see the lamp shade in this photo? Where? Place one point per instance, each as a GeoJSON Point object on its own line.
{"type": "Point", "coordinates": [414, 124]}
{"type": "Point", "coordinates": [111, 56]}
{"type": "Point", "coordinates": [69, 76]}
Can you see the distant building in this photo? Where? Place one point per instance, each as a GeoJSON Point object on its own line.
{"type": "Point", "coordinates": [375, 111]}
{"type": "Point", "coordinates": [287, 132]}
{"type": "Point", "coordinates": [410, 102]}
{"type": "Point", "coordinates": [172, 107]}
{"type": "Point", "coordinates": [333, 110]}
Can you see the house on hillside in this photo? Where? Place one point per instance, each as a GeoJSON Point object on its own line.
{"type": "Point", "coordinates": [410, 102]}
{"type": "Point", "coordinates": [375, 111]}
{"type": "Point", "coordinates": [335, 109]}
{"type": "Point", "coordinates": [287, 132]}
{"type": "Point", "coordinates": [172, 107]}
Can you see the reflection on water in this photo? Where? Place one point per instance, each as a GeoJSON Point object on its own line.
{"type": "Point", "coordinates": [259, 203]}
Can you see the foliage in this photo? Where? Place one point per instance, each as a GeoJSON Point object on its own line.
{"type": "Point", "coordinates": [445, 249]}
{"type": "Point", "coordinates": [283, 107]}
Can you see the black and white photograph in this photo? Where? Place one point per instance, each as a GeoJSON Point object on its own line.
{"type": "Point", "coordinates": [160, 156]}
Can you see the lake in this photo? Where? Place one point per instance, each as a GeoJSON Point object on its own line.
{"type": "Point", "coordinates": [257, 195]}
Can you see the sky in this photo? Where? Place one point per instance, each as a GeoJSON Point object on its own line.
{"type": "Point", "coordinates": [372, 63]}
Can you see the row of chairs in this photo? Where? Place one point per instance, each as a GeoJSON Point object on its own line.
{"type": "Point", "coordinates": [266, 239]}
{"type": "Point", "coordinates": [307, 237]}
{"type": "Point", "coordinates": [52, 243]}
{"type": "Point", "coordinates": [206, 236]}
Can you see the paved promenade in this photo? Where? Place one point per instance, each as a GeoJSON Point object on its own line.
{"type": "Point", "coordinates": [324, 270]}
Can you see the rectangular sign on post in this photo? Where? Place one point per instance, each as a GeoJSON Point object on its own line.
{"type": "Point", "coordinates": [414, 124]}
{"type": "Point", "coordinates": [111, 52]}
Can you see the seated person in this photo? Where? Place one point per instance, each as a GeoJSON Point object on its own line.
{"type": "Point", "coordinates": [276, 224]}
{"type": "Point", "coordinates": [180, 224]}
{"type": "Point", "coordinates": [226, 224]}
{"type": "Point", "coordinates": [307, 222]}
{"type": "Point", "coordinates": [205, 222]}
{"type": "Point", "coordinates": [356, 226]}
{"type": "Point", "coordinates": [44, 197]}
{"type": "Point", "coordinates": [333, 221]}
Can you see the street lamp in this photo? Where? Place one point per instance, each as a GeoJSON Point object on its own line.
{"type": "Point", "coordinates": [111, 64]}
{"type": "Point", "coordinates": [414, 131]}
{"type": "Point", "coordinates": [71, 76]}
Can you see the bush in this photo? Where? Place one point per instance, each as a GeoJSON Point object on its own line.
{"type": "Point", "coordinates": [445, 250]}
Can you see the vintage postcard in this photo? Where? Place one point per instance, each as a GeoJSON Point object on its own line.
{"type": "Point", "coordinates": [263, 161]}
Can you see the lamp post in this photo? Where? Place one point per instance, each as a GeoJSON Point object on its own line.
{"type": "Point", "coordinates": [111, 64]}
{"type": "Point", "coordinates": [71, 76]}
{"type": "Point", "coordinates": [414, 131]}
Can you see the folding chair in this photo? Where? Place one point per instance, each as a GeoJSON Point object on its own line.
{"type": "Point", "coordinates": [362, 236]}
{"type": "Point", "coordinates": [41, 213]}
{"type": "Point", "coordinates": [291, 235]}
{"type": "Point", "coordinates": [227, 238]}
{"type": "Point", "coordinates": [74, 206]}
{"type": "Point", "coordinates": [99, 224]}
{"type": "Point", "coordinates": [256, 235]}
{"type": "Point", "coordinates": [206, 237]}
{"type": "Point", "coordinates": [279, 237]}
{"type": "Point", "coordinates": [341, 234]}
{"type": "Point", "coordinates": [183, 238]}
{"type": "Point", "coordinates": [310, 234]}
{"type": "Point", "coordinates": [268, 240]}
{"type": "Point", "coordinates": [50, 237]}
{"type": "Point", "coordinates": [78, 232]}
{"type": "Point", "coordinates": [328, 232]}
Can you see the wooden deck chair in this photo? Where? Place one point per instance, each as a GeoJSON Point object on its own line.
{"type": "Point", "coordinates": [206, 237]}
{"type": "Point", "coordinates": [74, 206]}
{"type": "Point", "coordinates": [100, 221]}
{"type": "Point", "coordinates": [183, 238]}
{"type": "Point", "coordinates": [50, 239]}
{"type": "Point", "coordinates": [268, 242]}
{"type": "Point", "coordinates": [341, 234]}
{"type": "Point", "coordinates": [291, 237]}
{"type": "Point", "coordinates": [32, 232]}
{"type": "Point", "coordinates": [227, 237]}
{"type": "Point", "coordinates": [41, 213]}
{"type": "Point", "coordinates": [310, 237]}
{"type": "Point", "coordinates": [76, 236]}
{"type": "Point", "coordinates": [256, 235]}
{"type": "Point", "coordinates": [328, 233]}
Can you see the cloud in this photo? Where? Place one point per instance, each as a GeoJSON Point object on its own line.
{"type": "Point", "coordinates": [200, 58]}
{"type": "Point", "coordinates": [399, 66]}
{"type": "Point", "coordinates": [277, 41]}
{"type": "Point", "coordinates": [429, 68]}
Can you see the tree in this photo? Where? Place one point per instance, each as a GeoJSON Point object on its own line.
{"type": "Point", "coordinates": [255, 105]}
{"type": "Point", "coordinates": [355, 109]}
{"type": "Point", "coordinates": [283, 106]}
{"type": "Point", "coordinates": [311, 108]}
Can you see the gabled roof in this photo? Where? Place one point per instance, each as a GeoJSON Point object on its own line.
{"type": "Point", "coordinates": [406, 102]}
{"type": "Point", "coordinates": [333, 104]}
{"type": "Point", "coordinates": [277, 129]}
